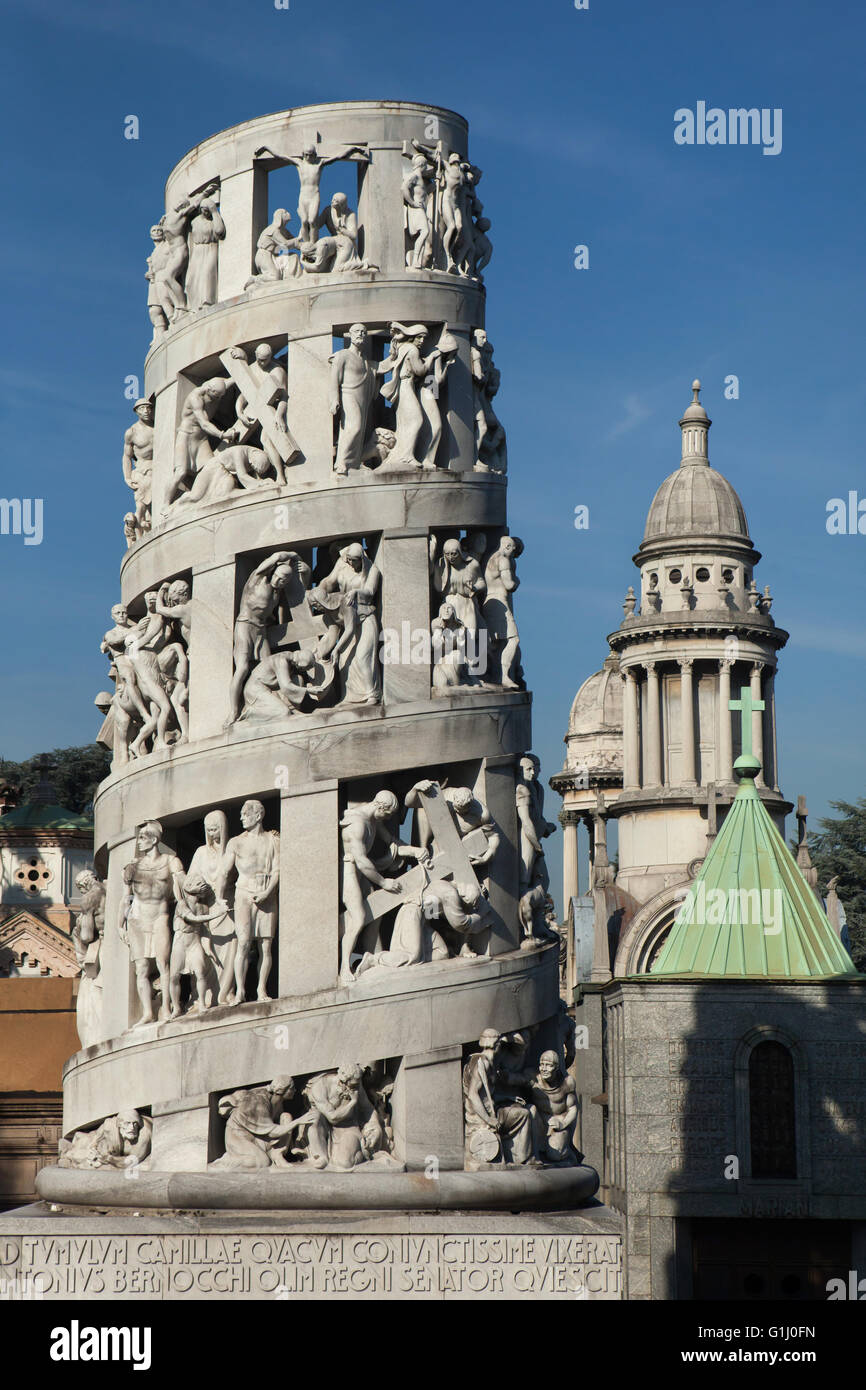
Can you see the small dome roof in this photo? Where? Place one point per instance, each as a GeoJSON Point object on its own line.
{"type": "Point", "coordinates": [33, 815]}
{"type": "Point", "coordinates": [597, 706]}
{"type": "Point", "coordinates": [696, 501]}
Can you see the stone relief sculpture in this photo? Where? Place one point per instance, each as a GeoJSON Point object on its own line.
{"type": "Point", "coordinates": [503, 639]}
{"type": "Point", "coordinates": [122, 1141]}
{"type": "Point", "coordinates": [138, 465]}
{"type": "Point", "coordinates": [337, 249]}
{"type": "Point", "coordinates": [457, 577]}
{"type": "Point", "coordinates": [356, 579]}
{"type": "Point", "coordinates": [452, 665]}
{"type": "Point", "coordinates": [282, 578]}
{"type": "Point", "coordinates": [150, 666]}
{"type": "Point", "coordinates": [252, 861]}
{"type": "Point", "coordinates": [443, 898]}
{"type": "Point", "coordinates": [459, 221]}
{"type": "Point", "coordinates": [478, 257]}
{"type": "Point", "coordinates": [273, 260]}
{"type": "Point", "coordinates": [153, 878]}
{"type": "Point", "coordinates": [208, 863]}
{"type": "Point", "coordinates": [533, 827]}
{"type": "Point", "coordinates": [159, 307]}
{"type": "Point", "coordinates": [343, 1127]}
{"type": "Point", "coordinates": [262, 404]}
{"type": "Point", "coordinates": [413, 392]}
{"type": "Point", "coordinates": [171, 272]}
{"type": "Point", "coordinates": [258, 1128]}
{"type": "Point", "coordinates": [352, 391]}
{"type": "Point", "coordinates": [372, 855]}
{"type": "Point", "coordinates": [309, 164]}
{"type": "Point", "coordinates": [191, 951]}
{"type": "Point", "coordinates": [554, 1099]}
{"type": "Point", "coordinates": [87, 942]}
{"type": "Point", "coordinates": [499, 1121]}
{"type": "Point", "coordinates": [418, 189]}
{"type": "Point", "coordinates": [238, 468]}
{"type": "Point", "coordinates": [490, 446]}
{"type": "Point", "coordinates": [206, 231]}
{"type": "Point", "coordinates": [193, 447]}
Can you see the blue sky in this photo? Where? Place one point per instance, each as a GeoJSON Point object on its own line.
{"type": "Point", "coordinates": [703, 261]}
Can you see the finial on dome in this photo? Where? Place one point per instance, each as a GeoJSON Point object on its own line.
{"type": "Point", "coordinates": [695, 425]}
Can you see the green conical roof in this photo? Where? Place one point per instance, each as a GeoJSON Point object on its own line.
{"type": "Point", "coordinates": [750, 914]}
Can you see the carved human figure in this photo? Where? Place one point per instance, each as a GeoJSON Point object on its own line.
{"type": "Point", "coordinates": [272, 380]}
{"type": "Point", "coordinates": [415, 939]}
{"type": "Point", "coordinates": [343, 1127]}
{"type": "Point", "coordinates": [490, 445]}
{"type": "Point", "coordinates": [258, 1128]}
{"type": "Point", "coordinates": [452, 178]}
{"type": "Point", "coordinates": [357, 578]}
{"type": "Point", "coordinates": [337, 250]}
{"type": "Point", "coordinates": [263, 591]}
{"type": "Point", "coordinates": [143, 644]}
{"type": "Point", "coordinates": [554, 1098]}
{"type": "Point", "coordinates": [138, 463]}
{"type": "Point", "coordinates": [501, 579]}
{"type": "Point", "coordinates": [351, 393]}
{"type": "Point", "coordinates": [309, 164]}
{"type": "Point", "coordinates": [153, 878]}
{"type": "Point", "coordinates": [206, 231]}
{"type": "Point", "coordinates": [412, 402]}
{"type": "Point", "coordinates": [159, 306]}
{"type": "Point", "coordinates": [474, 822]}
{"type": "Point", "coordinates": [191, 951]}
{"type": "Point", "coordinates": [457, 576]}
{"type": "Point", "coordinates": [534, 828]}
{"type": "Point", "coordinates": [175, 227]}
{"type": "Point", "coordinates": [498, 1120]}
{"type": "Point", "coordinates": [87, 944]}
{"type": "Point", "coordinates": [173, 603]}
{"type": "Point", "coordinates": [372, 854]}
{"type": "Point", "coordinates": [208, 863]}
{"type": "Point", "coordinates": [480, 247]}
{"type": "Point", "coordinates": [451, 662]}
{"type": "Point", "coordinates": [128, 708]}
{"type": "Point", "coordinates": [272, 259]}
{"type": "Point", "coordinates": [252, 859]}
{"type": "Point", "coordinates": [192, 445]}
{"type": "Point", "coordinates": [280, 684]}
{"type": "Point", "coordinates": [417, 189]}
{"type": "Point", "coordinates": [121, 1141]}
{"type": "Point", "coordinates": [240, 467]}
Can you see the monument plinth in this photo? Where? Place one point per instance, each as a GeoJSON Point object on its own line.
{"type": "Point", "coordinates": [326, 976]}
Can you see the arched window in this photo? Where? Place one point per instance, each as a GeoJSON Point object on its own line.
{"type": "Point", "coordinates": [772, 1111]}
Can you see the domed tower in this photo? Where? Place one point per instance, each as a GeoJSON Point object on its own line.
{"type": "Point", "coordinates": [320, 833]}
{"type": "Point", "coordinates": [697, 633]}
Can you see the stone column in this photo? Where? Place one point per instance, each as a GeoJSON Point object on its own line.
{"type": "Point", "coordinates": [770, 726]}
{"type": "Point", "coordinates": [427, 1111]}
{"type": "Point", "coordinates": [164, 430]}
{"type": "Point", "coordinates": [119, 998]}
{"type": "Point", "coordinates": [244, 209]}
{"type": "Point", "coordinates": [181, 1130]}
{"type": "Point", "coordinates": [726, 753]}
{"type": "Point", "coordinates": [307, 413]}
{"type": "Point", "coordinates": [687, 721]}
{"type": "Point", "coordinates": [308, 954]}
{"type": "Point", "coordinates": [403, 561]}
{"type": "Point", "coordinates": [569, 820]}
{"type": "Point", "coordinates": [758, 722]}
{"type": "Point", "coordinates": [380, 208]}
{"type": "Point", "coordinates": [630, 735]}
{"type": "Point", "coordinates": [652, 744]}
{"type": "Point", "coordinates": [497, 790]}
{"type": "Point", "coordinates": [210, 649]}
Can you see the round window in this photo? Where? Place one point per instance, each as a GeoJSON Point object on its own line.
{"type": "Point", "coordinates": [728, 576]}
{"type": "Point", "coordinates": [675, 576]}
{"type": "Point", "coordinates": [702, 575]}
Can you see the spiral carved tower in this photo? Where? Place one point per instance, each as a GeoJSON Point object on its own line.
{"type": "Point", "coordinates": [317, 631]}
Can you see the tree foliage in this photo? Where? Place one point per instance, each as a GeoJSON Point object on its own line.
{"type": "Point", "coordinates": [75, 776]}
{"type": "Point", "coordinates": [839, 848]}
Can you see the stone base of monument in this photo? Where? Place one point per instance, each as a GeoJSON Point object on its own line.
{"type": "Point", "coordinates": [88, 1254]}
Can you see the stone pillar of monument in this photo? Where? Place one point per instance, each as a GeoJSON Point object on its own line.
{"type": "Point", "coordinates": [317, 831]}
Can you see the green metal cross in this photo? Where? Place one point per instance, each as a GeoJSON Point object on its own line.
{"type": "Point", "coordinates": [746, 705]}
